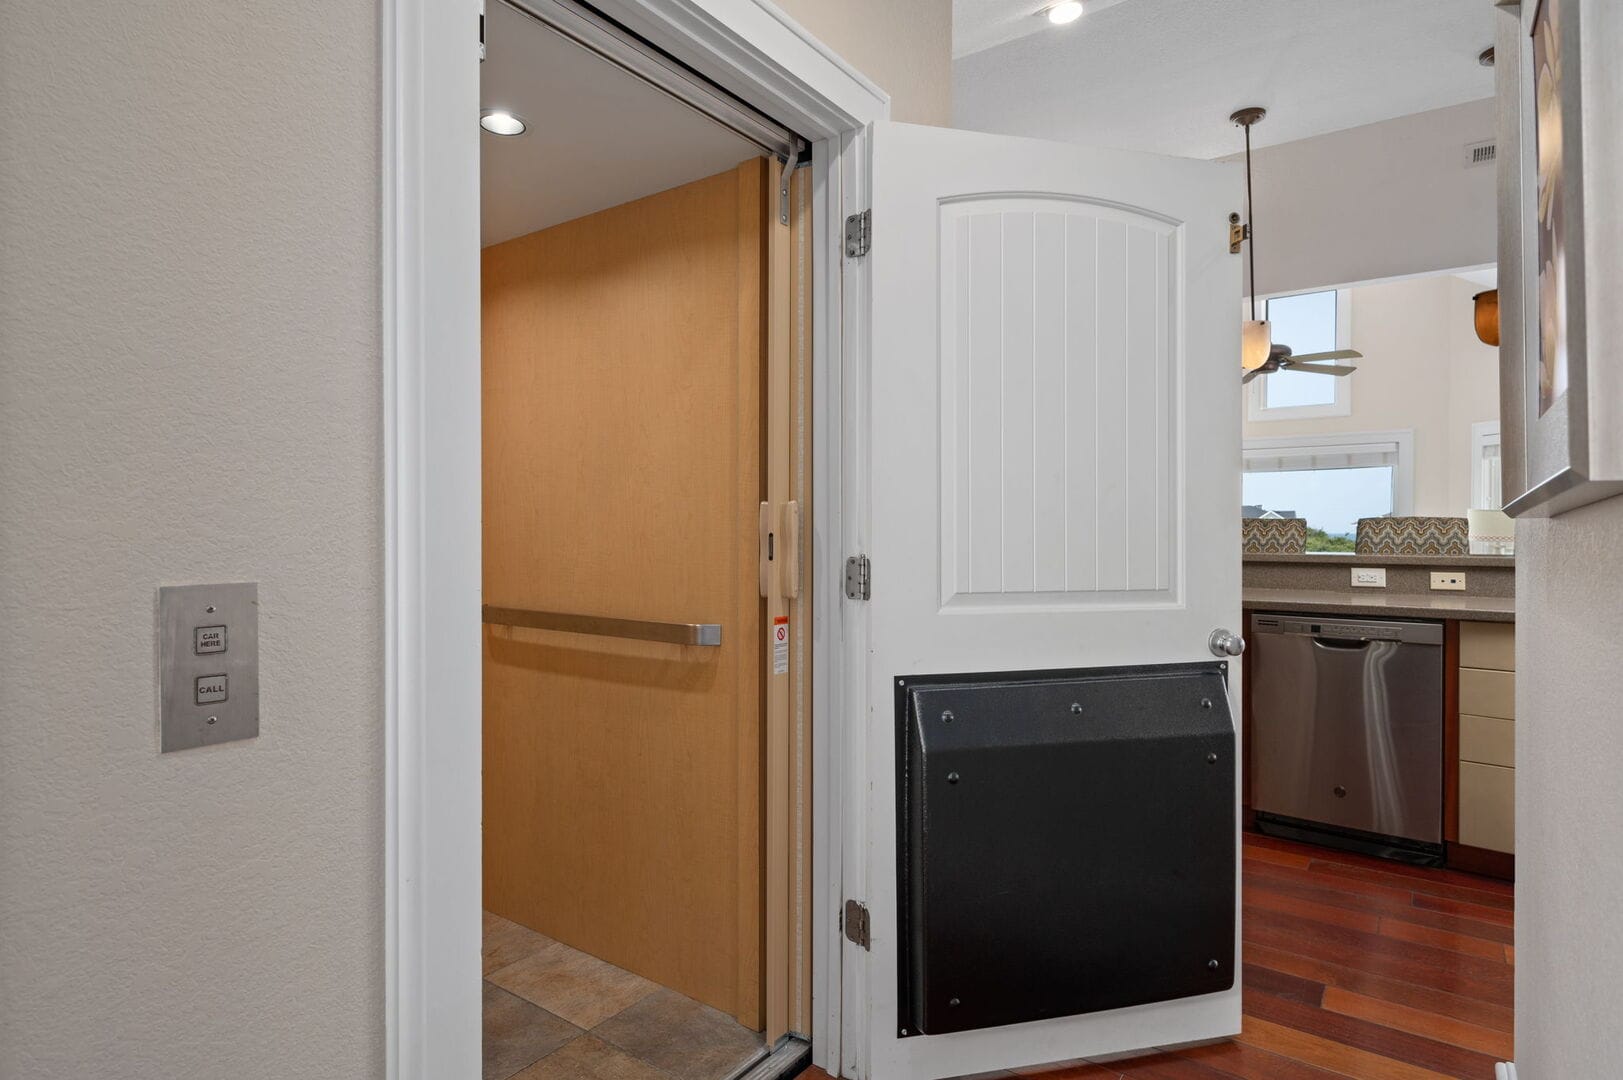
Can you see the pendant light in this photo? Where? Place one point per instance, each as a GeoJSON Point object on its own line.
{"type": "Point", "coordinates": [1259, 354]}
{"type": "Point", "coordinates": [1485, 315]}
{"type": "Point", "coordinates": [1256, 341]}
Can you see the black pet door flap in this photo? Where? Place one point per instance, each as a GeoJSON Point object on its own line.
{"type": "Point", "coordinates": [1066, 843]}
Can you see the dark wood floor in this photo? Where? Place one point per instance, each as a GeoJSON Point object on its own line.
{"type": "Point", "coordinates": [1354, 967]}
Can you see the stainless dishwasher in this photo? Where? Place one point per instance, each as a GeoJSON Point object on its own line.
{"type": "Point", "coordinates": [1347, 732]}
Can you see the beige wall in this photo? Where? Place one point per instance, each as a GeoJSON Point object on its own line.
{"type": "Point", "coordinates": [1422, 369]}
{"type": "Point", "coordinates": [1375, 202]}
{"type": "Point", "coordinates": [189, 391]}
{"type": "Point", "coordinates": [1473, 383]}
{"type": "Point", "coordinates": [905, 46]}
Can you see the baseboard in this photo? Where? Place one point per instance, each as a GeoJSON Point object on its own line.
{"type": "Point", "coordinates": [1396, 849]}
{"type": "Point", "coordinates": [1484, 861]}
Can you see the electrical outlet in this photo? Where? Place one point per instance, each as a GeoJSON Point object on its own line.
{"type": "Point", "coordinates": [1369, 577]}
{"type": "Point", "coordinates": [1453, 580]}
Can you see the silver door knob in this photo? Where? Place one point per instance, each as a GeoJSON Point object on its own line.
{"type": "Point", "coordinates": [1225, 643]}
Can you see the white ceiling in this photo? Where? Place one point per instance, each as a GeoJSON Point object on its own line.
{"type": "Point", "coordinates": [618, 139]}
{"type": "Point", "coordinates": [981, 24]}
{"type": "Point", "coordinates": [1163, 75]}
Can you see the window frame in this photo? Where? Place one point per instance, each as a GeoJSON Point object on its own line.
{"type": "Point", "coordinates": [1402, 469]}
{"type": "Point", "coordinates": [1256, 407]}
{"type": "Point", "coordinates": [1485, 433]}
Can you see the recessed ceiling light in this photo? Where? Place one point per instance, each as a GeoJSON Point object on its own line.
{"type": "Point", "coordinates": [499, 122]}
{"type": "Point", "coordinates": [1067, 12]}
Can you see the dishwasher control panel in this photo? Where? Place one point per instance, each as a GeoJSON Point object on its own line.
{"type": "Point", "coordinates": [1419, 633]}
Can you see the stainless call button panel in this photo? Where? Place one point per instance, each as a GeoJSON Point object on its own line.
{"type": "Point", "coordinates": [208, 653]}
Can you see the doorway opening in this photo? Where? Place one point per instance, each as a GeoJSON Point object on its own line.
{"type": "Point", "coordinates": [646, 744]}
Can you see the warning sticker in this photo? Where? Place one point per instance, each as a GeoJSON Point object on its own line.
{"type": "Point", "coordinates": [780, 645]}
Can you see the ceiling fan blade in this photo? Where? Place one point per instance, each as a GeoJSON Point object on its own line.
{"type": "Point", "coordinates": [1335, 354]}
{"type": "Point", "coordinates": [1252, 374]}
{"type": "Point", "coordinates": [1324, 369]}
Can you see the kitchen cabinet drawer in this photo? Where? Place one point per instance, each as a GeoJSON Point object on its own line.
{"type": "Point", "coordinates": [1487, 806]}
{"type": "Point", "coordinates": [1488, 693]}
{"type": "Point", "coordinates": [1488, 740]}
{"type": "Point", "coordinates": [1488, 645]}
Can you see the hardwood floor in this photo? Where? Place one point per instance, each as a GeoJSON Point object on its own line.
{"type": "Point", "coordinates": [1353, 967]}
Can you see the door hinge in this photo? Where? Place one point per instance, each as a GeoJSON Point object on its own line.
{"type": "Point", "coordinates": [481, 31]}
{"type": "Point", "coordinates": [858, 234]}
{"type": "Point", "coordinates": [858, 578]}
{"type": "Point", "coordinates": [1238, 234]}
{"type": "Point", "coordinates": [856, 923]}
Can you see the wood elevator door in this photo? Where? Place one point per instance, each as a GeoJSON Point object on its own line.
{"type": "Point", "coordinates": [622, 359]}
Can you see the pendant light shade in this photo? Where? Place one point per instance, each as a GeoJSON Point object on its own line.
{"type": "Point", "coordinates": [1255, 343]}
{"type": "Point", "coordinates": [1487, 316]}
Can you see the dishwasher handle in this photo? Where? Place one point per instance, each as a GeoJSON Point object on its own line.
{"type": "Point", "coordinates": [1341, 644]}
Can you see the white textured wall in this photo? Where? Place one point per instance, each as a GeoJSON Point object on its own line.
{"type": "Point", "coordinates": [189, 391]}
{"type": "Point", "coordinates": [1569, 685]}
{"type": "Point", "coordinates": [1569, 793]}
{"type": "Point", "coordinates": [1373, 202]}
{"type": "Point", "coordinates": [904, 46]}
{"type": "Point", "coordinates": [1422, 369]}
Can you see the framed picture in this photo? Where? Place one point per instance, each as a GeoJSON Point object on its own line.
{"type": "Point", "coordinates": [1550, 254]}
{"type": "Point", "coordinates": [1560, 287]}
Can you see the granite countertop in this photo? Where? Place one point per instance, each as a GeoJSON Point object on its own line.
{"type": "Point", "coordinates": [1325, 558]}
{"type": "Point", "coordinates": [1379, 602]}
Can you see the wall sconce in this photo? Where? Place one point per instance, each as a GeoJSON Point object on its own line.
{"type": "Point", "coordinates": [1487, 316]}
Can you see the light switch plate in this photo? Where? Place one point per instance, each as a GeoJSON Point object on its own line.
{"type": "Point", "coordinates": [1369, 577]}
{"type": "Point", "coordinates": [208, 663]}
{"type": "Point", "coordinates": [1452, 580]}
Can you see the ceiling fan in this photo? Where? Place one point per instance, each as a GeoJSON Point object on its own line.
{"type": "Point", "coordinates": [1281, 359]}
{"type": "Point", "coordinates": [1259, 353]}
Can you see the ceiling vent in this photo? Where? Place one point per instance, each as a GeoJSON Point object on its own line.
{"type": "Point", "coordinates": [1480, 153]}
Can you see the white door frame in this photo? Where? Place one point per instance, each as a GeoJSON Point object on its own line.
{"type": "Point", "coordinates": [431, 422]}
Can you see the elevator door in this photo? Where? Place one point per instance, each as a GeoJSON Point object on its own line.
{"type": "Point", "coordinates": [622, 359]}
{"type": "Point", "coordinates": [1051, 484]}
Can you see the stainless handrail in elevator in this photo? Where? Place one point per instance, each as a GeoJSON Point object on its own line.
{"type": "Point", "coordinates": [708, 634]}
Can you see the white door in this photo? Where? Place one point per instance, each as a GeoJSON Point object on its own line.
{"type": "Point", "coordinates": [1055, 482]}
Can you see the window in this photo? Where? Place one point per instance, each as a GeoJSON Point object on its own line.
{"type": "Point", "coordinates": [1486, 491]}
{"type": "Point", "coordinates": [1330, 480]}
{"type": "Point", "coordinates": [1308, 323]}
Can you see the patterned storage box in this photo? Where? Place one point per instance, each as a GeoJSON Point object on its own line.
{"type": "Point", "coordinates": [1413, 536]}
{"type": "Point", "coordinates": [1273, 536]}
